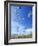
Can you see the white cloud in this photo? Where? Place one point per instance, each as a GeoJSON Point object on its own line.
{"type": "Point", "coordinates": [18, 7]}
{"type": "Point", "coordinates": [21, 29]}
{"type": "Point", "coordinates": [29, 14]}
{"type": "Point", "coordinates": [28, 31]}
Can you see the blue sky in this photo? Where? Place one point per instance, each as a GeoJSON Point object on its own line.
{"type": "Point", "coordinates": [21, 19]}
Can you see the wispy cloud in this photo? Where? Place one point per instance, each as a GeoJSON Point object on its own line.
{"type": "Point", "coordinates": [29, 14]}
{"type": "Point", "coordinates": [16, 28]}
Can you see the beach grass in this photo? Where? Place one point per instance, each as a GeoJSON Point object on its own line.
{"type": "Point", "coordinates": [25, 36]}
